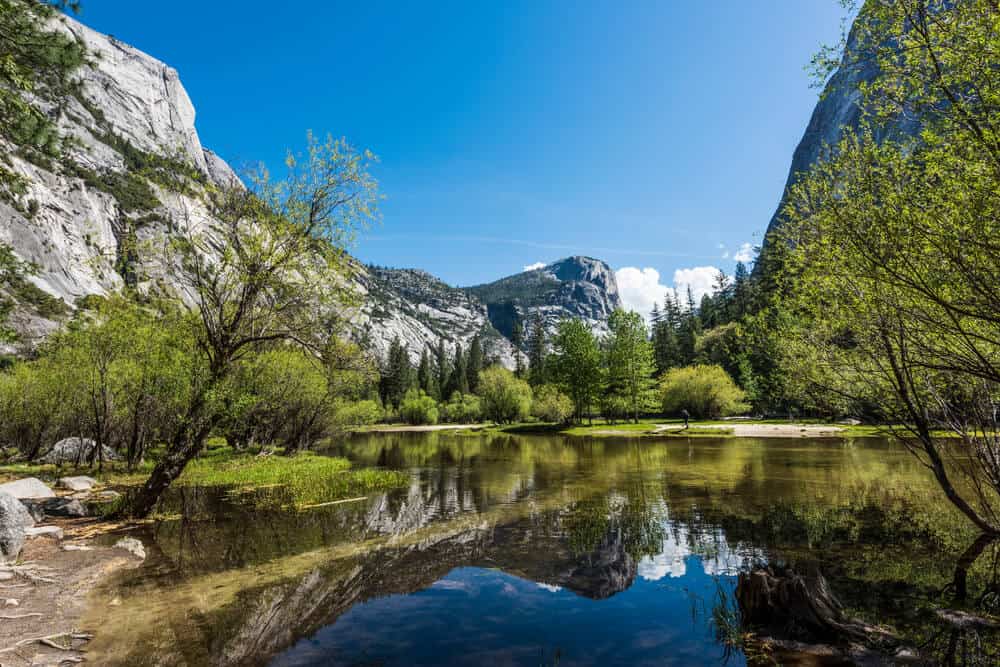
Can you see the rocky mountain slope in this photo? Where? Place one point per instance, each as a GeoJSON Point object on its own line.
{"type": "Point", "coordinates": [839, 109]}
{"type": "Point", "coordinates": [133, 173]}
{"type": "Point", "coordinates": [579, 287]}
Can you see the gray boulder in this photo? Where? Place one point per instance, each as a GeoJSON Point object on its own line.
{"type": "Point", "coordinates": [74, 450]}
{"type": "Point", "coordinates": [28, 487]}
{"type": "Point", "coordinates": [62, 507]}
{"type": "Point", "coordinates": [14, 519]}
{"type": "Point", "coordinates": [79, 483]}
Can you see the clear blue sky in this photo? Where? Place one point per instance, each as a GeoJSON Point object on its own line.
{"type": "Point", "coordinates": [648, 134]}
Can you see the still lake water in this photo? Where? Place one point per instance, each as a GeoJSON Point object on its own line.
{"type": "Point", "coordinates": [535, 550]}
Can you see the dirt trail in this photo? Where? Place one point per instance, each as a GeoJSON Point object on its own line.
{"type": "Point", "coordinates": [762, 430]}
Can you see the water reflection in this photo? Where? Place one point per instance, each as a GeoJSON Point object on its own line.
{"type": "Point", "coordinates": [534, 550]}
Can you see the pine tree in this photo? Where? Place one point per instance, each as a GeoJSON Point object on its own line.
{"type": "Point", "coordinates": [630, 366]}
{"type": "Point", "coordinates": [443, 368]}
{"type": "Point", "coordinates": [689, 330]}
{"type": "Point", "coordinates": [425, 375]}
{"type": "Point", "coordinates": [475, 364]}
{"type": "Point", "coordinates": [537, 350]}
{"type": "Point", "coordinates": [458, 381]}
{"type": "Point", "coordinates": [666, 347]}
{"type": "Point", "coordinates": [397, 376]}
{"type": "Point", "coordinates": [517, 338]}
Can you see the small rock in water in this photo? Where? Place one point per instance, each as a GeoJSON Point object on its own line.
{"type": "Point", "coordinates": [11, 602]}
{"type": "Point", "coordinates": [28, 487]}
{"type": "Point", "coordinates": [78, 483]}
{"type": "Point", "coordinates": [133, 546]}
{"type": "Point", "coordinates": [55, 532]}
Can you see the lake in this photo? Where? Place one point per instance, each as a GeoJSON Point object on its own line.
{"type": "Point", "coordinates": [538, 550]}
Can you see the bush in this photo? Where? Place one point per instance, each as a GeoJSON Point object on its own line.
{"type": "Point", "coordinates": [614, 407]}
{"type": "Point", "coordinates": [707, 392]}
{"type": "Point", "coordinates": [358, 413]}
{"type": "Point", "coordinates": [551, 405]}
{"type": "Point", "coordinates": [462, 409]}
{"type": "Point", "coordinates": [418, 408]}
{"type": "Point", "coordinates": [504, 397]}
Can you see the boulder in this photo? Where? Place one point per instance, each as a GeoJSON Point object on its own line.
{"type": "Point", "coordinates": [133, 546]}
{"type": "Point", "coordinates": [62, 507]}
{"type": "Point", "coordinates": [76, 450]}
{"type": "Point", "coordinates": [54, 532]}
{"type": "Point", "coordinates": [78, 483]}
{"type": "Point", "coordinates": [14, 520]}
{"type": "Point", "coordinates": [29, 487]}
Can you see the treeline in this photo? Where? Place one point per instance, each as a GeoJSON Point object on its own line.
{"type": "Point", "coordinates": [570, 374]}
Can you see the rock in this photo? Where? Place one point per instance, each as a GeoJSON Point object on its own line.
{"type": "Point", "coordinates": [61, 507]}
{"type": "Point", "coordinates": [76, 450]}
{"type": "Point", "coordinates": [6, 575]}
{"type": "Point", "coordinates": [133, 546]}
{"type": "Point", "coordinates": [14, 522]}
{"type": "Point", "coordinates": [54, 532]}
{"type": "Point", "coordinates": [11, 602]}
{"type": "Point", "coordinates": [77, 547]}
{"type": "Point", "coordinates": [79, 483]}
{"type": "Point", "coordinates": [106, 496]}
{"type": "Point", "coordinates": [28, 487]}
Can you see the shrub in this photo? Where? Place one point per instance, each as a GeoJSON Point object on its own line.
{"type": "Point", "coordinates": [504, 397]}
{"type": "Point", "coordinates": [614, 407]}
{"type": "Point", "coordinates": [418, 408]}
{"type": "Point", "coordinates": [707, 392]}
{"type": "Point", "coordinates": [551, 405]}
{"type": "Point", "coordinates": [358, 413]}
{"type": "Point", "coordinates": [462, 409]}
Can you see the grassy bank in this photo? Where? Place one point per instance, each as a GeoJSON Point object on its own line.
{"type": "Point", "coordinates": [306, 479]}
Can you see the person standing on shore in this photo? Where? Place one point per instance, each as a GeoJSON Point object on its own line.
{"type": "Point", "coordinates": [686, 415]}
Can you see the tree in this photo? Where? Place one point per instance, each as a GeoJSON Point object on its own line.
{"type": "Point", "coordinates": [576, 364]}
{"type": "Point", "coordinates": [666, 346]}
{"type": "Point", "coordinates": [458, 381]}
{"type": "Point", "coordinates": [504, 397]}
{"type": "Point", "coordinates": [894, 243]}
{"type": "Point", "coordinates": [689, 330]}
{"type": "Point", "coordinates": [475, 364]}
{"type": "Point", "coordinates": [537, 351]}
{"type": "Point", "coordinates": [630, 362]}
{"type": "Point", "coordinates": [397, 375]}
{"type": "Point", "coordinates": [551, 405]}
{"type": "Point", "coordinates": [426, 381]}
{"type": "Point", "coordinates": [706, 392]}
{"type": "Point", "coordinates": [418, 408]}
{"type": "Point", "coordinates": [267, 267]}
{"type": "Point", "coordinates": [517, 339]}
{"type": "Point", "coordinates": [442, 367]}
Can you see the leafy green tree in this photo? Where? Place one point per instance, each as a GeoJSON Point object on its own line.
{"type": "Point", "coordinates": [475, 364]}
{"type": "Point", "coordinates": [504, 397]}
{"type": "Point", "coordinates": [268, 268]}
{"type": "Point", "coordinates": [576, 364]}
{"type": "Point", "coordinates": [894, 243]}
{"type": "Point", "coordinates": [551, 405]}
{"type": "Point", "coordinates": [630, 363]}
{"type": "Point", "coordinates": [706, 392]}
{"type": "Point", "coordinates": [418, 408]}
{"type": "Point", "coordinates": [462, 409]}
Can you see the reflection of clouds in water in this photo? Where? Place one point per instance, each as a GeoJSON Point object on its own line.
{"type": "Point", "coordinates": [717, 558]}
{"type": "Point", "coordinates": [551, 588]}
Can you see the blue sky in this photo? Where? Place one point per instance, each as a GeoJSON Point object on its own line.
{"type": "Point", "coordinates": [653, 135]}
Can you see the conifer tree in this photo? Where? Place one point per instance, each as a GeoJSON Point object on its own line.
{"type": "Point", "coordinates": [475, 363]}
{"type": "Point", "coordinates": [517, 338]}
{"type": "Point", "coordinates": [537, 350]}
{"type": "Point", "coordinates": [443, 368]}
{"type": "Point", "coordinates": [458, 381]}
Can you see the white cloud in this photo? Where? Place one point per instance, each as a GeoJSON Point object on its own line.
{"type": "Point", "coordinates": [536, 265]}
{"type": "Point", "coordinates": [701, 280]}
{"type": "Point", "coordinates": [744, 254]}
{"type": "Point", "coordinates": [551, 588]}
{"type": "Point", "coordinates": [641, 288]}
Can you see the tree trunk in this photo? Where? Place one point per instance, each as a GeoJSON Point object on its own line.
{"type": "Point", "coordinates": [187, 444]}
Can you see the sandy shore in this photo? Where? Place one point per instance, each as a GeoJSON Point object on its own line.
{"type": "Point", "coordinates": [404, 428]}
{"type": "Point", "coordinates": [762, 430]}
{"type": "Point", "coordinates": [43, 596]}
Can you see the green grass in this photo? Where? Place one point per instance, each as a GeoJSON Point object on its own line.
{"type": "Point", "coordinates": [308, 479]}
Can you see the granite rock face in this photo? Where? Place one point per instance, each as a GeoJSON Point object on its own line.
{"type": "Point", "coordinates": [134, 175]}
{"type": "Point", "coordinates": [575, 287]}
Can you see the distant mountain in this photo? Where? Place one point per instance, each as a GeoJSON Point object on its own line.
{"type": "Point", "coordinates": [135, 173]}
{"type": "Point", "coordinates": [580, 287]}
